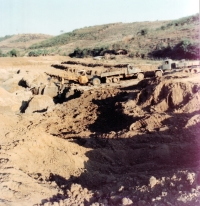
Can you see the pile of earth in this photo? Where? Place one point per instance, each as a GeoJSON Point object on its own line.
{"type": "Point", "coordinates": [106, 146]}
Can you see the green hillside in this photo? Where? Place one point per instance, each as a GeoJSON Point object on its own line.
{"type": "Point", "coordinates": [140, 39]}
{"type": "Point", "coordinates": [158, 39]}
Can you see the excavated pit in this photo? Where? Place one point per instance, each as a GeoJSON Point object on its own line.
{"type": "Point", "coordinates": [121, 159]}
{"type": "Point", "coordinates": [111, 146]}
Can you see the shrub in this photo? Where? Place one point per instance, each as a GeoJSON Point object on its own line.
{"type": "Point", "coordinates": [190, 49]}
{"type": "Point", "coordinates": [2, 54]}
{"type": "Point", "coordinates": [184, 20]}
{"type": "Point", "coordinates": [97, 51]}
{"type": "Point", "coordinates": [13, 53]}
{"type": "Point", "coordinates": [162, 27]}
{"type": "Point", "coordinates": [39, 52]}
{"type": "Point", "coordinates": [144, 32]}
{"type": "Point", "coordinates": [32, 54]}
{"type": "Point", "coordinates": [131, 55]}
{"type": "Point", "coordinates": [185, 49]}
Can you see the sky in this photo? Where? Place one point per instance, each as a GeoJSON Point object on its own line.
{"type": "Point", "coordinates": [56, 16]}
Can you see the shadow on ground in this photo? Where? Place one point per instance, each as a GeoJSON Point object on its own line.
{"type": "Point", "coordinates": [123, 167]}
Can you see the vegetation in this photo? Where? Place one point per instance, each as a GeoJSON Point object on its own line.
{"type": "Point", "coordinates": [2, 54]}
{"type": "Point", "coordinates": [55, 41]}
{"type": "Point", "coordinates": [39, 52]}
{"type": "Point", "coordinates": [97, 51]}
{"type": "Point", "coordinates": [185, 49]}
{"type": "Point", "coordinates": [188, 48]}
{"type": "Point", "coordinates": [13, 53]}
{"type": "Point", "coordinates": [181, 22]}
{"type": "Point", "coordinates": [5, 37]}
{"type": "Point", "coordinates": [144, 32]}
{"type": "Point", "coordinates": [137, 40]}
{"type": "Point", "coordinates": [86, 33]}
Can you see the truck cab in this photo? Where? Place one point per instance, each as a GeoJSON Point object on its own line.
{"type": "Point", "coordinates": [168, 64]}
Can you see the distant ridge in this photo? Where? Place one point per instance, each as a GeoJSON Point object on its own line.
{"type": "Point", "coordinates": [138, 39]}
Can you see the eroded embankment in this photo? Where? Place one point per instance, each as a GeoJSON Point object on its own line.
{"type": "Point", "coordinates": [129, 146]}
{"type": "Point", "coordinates": [143, 143]}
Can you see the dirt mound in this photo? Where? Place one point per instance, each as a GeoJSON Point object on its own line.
{"type": "Point", "coordinates": [104, 145]}
{"type": "Point", "coordinates": [162, 95]}
{"type": "Point", "coordinates": [158, 100]}
{"type": "Point", "coordinates": [94, 64]}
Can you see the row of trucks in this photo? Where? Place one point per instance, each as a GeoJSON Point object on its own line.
{"type": "Point", "coordinates": [169, 66]}
{"type": "Point", "coordinates": [114, 75]}
{"type": "Point", "coordinates": [97, 76]}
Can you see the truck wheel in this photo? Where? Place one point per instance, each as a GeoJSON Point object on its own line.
{"type": "Point", "coordinates": [140, 76]}
{"type": "Point", "coordinates": [158, 74]}
{"type": "Point", "coordinates": [108, 80]}
{"type": "Point", "coordinates": [96, 81]}
{"type": "Point", "coordinates": [193, 71]}
{"type": "Point", "coordinates": [115, 79]}
{"type": "Point", "coordinates": [186, 70]}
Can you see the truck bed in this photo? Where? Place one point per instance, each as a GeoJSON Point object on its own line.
{"type": "Point", "coordinates": [113, 73]}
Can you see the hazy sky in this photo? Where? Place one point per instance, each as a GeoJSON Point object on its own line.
{"type": "Point", "coordinates": [52, 16]}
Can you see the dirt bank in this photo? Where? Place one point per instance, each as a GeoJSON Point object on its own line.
{"type": "Point", "coordinates": [112, 145]}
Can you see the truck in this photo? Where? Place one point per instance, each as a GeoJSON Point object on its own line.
{"type": "Point", "coordinates": [169, 65]}
{"type": "Point", "coordinates": [98, 75]}
{"type": "Point", "coordinates": [114, 75]}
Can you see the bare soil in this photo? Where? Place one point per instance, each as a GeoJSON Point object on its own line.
{"type": "Point", "coordinates": [133, 143]}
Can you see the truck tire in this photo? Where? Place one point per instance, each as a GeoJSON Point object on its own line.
{"type": "Point", "coordinates": [186, 70]}
{"type": "Point", "coordinates": [140, 76]}
{"type": "Point", "coordinates": [96, 81]}
{"type": "Point", "coordinates": [158, 74]}
{"type": "Point", "coordinates": [115, 79]}
{"type": "Point", "coordinates": [108, 80]}
{"type": "Point", "coordinates": [194, 71]}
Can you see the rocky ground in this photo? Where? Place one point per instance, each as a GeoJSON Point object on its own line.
{"type": "Point", "coordinates": [124, 144]}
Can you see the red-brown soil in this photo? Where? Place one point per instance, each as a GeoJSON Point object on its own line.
{"type": "Point", "coordinates": [125, 144]}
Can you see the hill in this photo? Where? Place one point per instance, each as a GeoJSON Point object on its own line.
{"type": "Point", "coordinates": [20, 42]}
{"type": "Point", "coordinates": [158, 39]}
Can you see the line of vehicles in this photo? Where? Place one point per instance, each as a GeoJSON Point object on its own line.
{"type": "Point", "coordinates": [173, 66]}
{"type": "Point", "coordinates": [114, 75]}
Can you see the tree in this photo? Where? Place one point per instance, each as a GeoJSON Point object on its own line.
{"type": "Point", "coordinates": [13, 53]}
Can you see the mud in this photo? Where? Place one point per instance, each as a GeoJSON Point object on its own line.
{"type": "Point", "coordinates": [110, 145]}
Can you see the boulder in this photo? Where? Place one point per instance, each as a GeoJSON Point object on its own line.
{"type": "Point", "coordinates": [34, 80]}
{"type": "Point", "coordinates": [39, 103]}
{"type": "Point", "coordinates": [8, 102]}
{"type": "Point", "coordinates": [51, 91]}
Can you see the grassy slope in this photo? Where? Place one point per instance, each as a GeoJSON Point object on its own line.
{"type": "Point", "coordinates": [21, 42]}
{"type": "Point", "coordinates": [160, 35]}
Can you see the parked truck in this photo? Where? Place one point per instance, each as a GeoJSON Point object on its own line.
{"type": "Point", "coordinates": [98, 75]}
{"type": "Point", "coordinates": [172, 66]}
{"type": "Point", "coordinates": [114, 75]}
